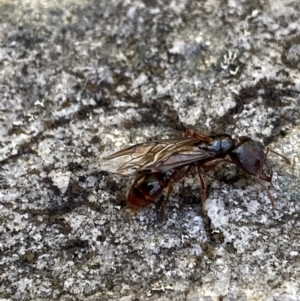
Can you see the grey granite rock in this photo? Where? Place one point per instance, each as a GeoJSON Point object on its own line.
{"type": "Point", "coordinates": [82, 79]}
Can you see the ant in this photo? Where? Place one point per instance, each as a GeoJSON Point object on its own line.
{"type": "Point", "coordinates": [158, 164]}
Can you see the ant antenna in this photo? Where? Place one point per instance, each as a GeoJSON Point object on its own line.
{"type": "Point", "coordinates": [286, 160]}
{"type": "Point", "coordinates": [266, 189]}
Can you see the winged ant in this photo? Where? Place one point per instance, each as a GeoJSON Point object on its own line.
{"type": "Point", "coordinates": [156, 165]}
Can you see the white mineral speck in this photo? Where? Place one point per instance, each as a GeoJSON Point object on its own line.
{"type": "Point", "coordinates": [60, 179]}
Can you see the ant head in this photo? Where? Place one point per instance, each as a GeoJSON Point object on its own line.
{"type": "Point", "coordinates": [249, 155]}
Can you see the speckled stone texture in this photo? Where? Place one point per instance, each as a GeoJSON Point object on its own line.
{"type": "Point", "coordinates": [82, 79]}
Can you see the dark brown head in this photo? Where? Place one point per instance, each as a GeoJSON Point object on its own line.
{"type": "Point", "coordinates": [249, 155]}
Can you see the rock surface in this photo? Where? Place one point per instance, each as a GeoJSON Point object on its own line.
{"type": "Point", "coordinates": [82, 79]}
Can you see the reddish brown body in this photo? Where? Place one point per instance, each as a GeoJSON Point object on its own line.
{"type": "Point", "coordinates": [146, 189]}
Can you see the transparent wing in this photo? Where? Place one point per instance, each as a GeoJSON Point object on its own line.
{"type": "Point", "coordinates": [156, 156]}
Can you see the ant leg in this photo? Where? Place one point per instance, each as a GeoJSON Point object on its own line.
{"type": "Point", "coordinates": [170, 188]}
{"type": "Point", "coordinates": [266, 189]}
{"type": "Point", "coordinates": [260, 175]}
{"type": "Point", "coordinates": [167, 201]}
{"type": "Point", "coordinates": [135, 200]}
{"type": "Point", "coordinates": [193, 134]}
{"type": "Point", "coordinates": [162, 210]}
{"type": "Point", "coordinates": [203, 193]}
{"type": "Point", "coordinates": [286, 160]}
{"type": "Point", "coordinates": [208, 165]}
{"type": "Point", "coordinates": [186, 172]}
{"type": "Point", "coordinates": [188, 133]}
{"type": "Point", "coordinates": [215, 162]}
